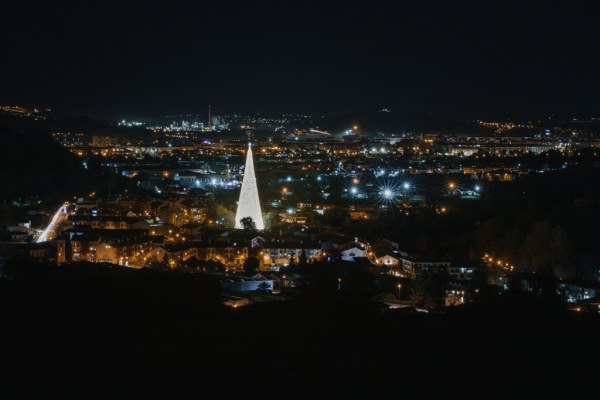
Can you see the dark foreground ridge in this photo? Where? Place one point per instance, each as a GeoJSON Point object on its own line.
{"type": "Point", "coordinates": [78, 334]}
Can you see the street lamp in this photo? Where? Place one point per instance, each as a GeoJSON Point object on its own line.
{"type": "Point", "coordinates": [399, 289]}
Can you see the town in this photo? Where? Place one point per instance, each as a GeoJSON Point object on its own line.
{"type": "Point", "coordinates": [233, 200]}
{"type": "Point", "coordinates": [323, 198]}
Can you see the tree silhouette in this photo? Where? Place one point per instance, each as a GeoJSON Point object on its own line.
{"type": "Point", "coordinates": [264, 286]}
{"type": "Point", "coordinates": [292, 263]}
{"type": "Point", "coordinates": [302, 261]}
{"type": "Point", "coordinates": [251, 265]}
{"type": "Point", "coordinates": [248, 224]}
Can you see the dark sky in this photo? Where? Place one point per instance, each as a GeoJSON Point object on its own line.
{"type": "Point", "coordinates": [118, 60]}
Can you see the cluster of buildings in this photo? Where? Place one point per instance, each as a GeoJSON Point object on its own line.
{"type": "Point", "coordinates": [175, 227]}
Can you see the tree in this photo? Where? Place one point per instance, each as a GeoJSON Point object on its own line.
{"type": "Point", "coordinates": [265, 287]}
{"type": "Point", "coordinates": [421, 293]}
{"type": "Point", "coordinates": [417, 296]}
{"type": "Point", "coordinates": [547, 247]}
{"type": "Point", "coordinates": [334, 216]}
{"type": "Point", "coordinates": [222, 213]}
{"type": "Point", "coordinates": [271, 219]}
{"type": "Point", "coordinates": [251, 265]}
{"type": "Point", "coordinates": [292, 263]}
{"type": "Point", "coordinates": [248, 224]}
{"type": "Point", "coordinates": [6, 215]}
{"type": "Point", "coordinates": [302, 261]}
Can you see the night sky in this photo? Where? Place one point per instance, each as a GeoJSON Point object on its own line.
{"type": "Point", "coordinates": [122, 61]}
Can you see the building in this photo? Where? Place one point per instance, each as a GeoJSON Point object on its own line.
{"type": "Point", "coordinates": [355, 251]}
{"type": "Point", "coordinates": [387, 258]}
{"type": "Point", "coordinates": [126, 247]}
{"type": "Point", "coordinates": [107, 222]}
{"type": "Point", "coordinates": [276, 255]}
{"type": "Point", "coordinates": [413, 267]}
{"type": "Point", "coordinates": [245, 284]}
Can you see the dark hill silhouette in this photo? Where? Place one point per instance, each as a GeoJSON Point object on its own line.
{"type": "Point", "coordinates": [33, 164]}
{"type": "Point", "coordinates": [85, 125]}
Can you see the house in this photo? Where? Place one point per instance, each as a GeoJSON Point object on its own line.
{"type": "Point", "coordinates": [461, 272]}
{"type": "Point", "coordinates": [578, 290]}
{"type": "Point", "coordinates": [107, 222]}
{"type": "Point", "coordinates": [245, 284]}
{"type": "Point", "coordinates": [117, 246]}
{"type": "Point", "coordinates": [387, 258]}
{"type": "Point", "coordinates": [414, 266]}
{"type": "Point", "coordinates": [355, 251]}
{"type": "Point", "coordinates": [571, 291]}
{"type": "Point", "coordinates": [19, 233]}
{"type": "Point", "coordinates": [191, 229]}
{"type": "Point", "coordinates": [276, 254]}
{"type": "Point", "coordinates": [46, 251]}
{"type": "Point", "coordinates": [230, 253]}
{"type": "Point", "coordinates": [454, 297]}
{"type": "Point", "coordinates": [157, 254]}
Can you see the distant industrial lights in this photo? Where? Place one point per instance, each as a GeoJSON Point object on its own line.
{"type": "Point", "coordinates": [406, 186]}
{"type": "Point", "coordinates": [388, 194]}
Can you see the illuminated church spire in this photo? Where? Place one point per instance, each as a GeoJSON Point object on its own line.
{"type": "Point", "coordinates": [249, 205]}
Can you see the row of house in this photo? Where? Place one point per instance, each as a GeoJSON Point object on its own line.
{"type": "Point", "coordinates": [386, 254]}
{"type": "Point", "coordinates": [107, 222]}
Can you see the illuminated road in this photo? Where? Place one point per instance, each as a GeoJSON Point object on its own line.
{"type": "Point", "coordinates": [58, 217]}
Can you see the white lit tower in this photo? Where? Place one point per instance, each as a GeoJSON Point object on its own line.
{"type": "Point", "coordinates": [249, 205]}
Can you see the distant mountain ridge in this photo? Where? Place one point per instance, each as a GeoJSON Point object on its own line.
{"type": "Point", "coordinates": [398, 122]}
